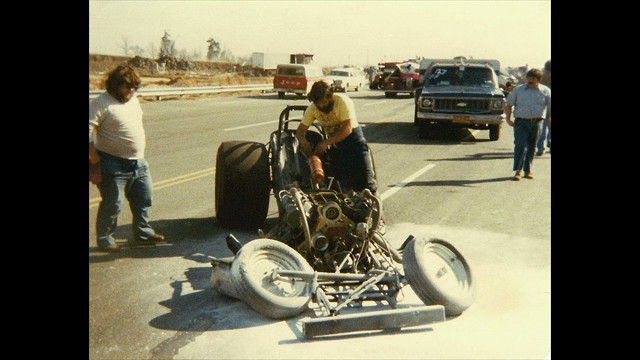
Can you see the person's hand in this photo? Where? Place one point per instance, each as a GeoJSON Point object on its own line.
{"type": "Point", "coordinates": [306, 147]}
{"type": "Point", "coordinates": [509, 122]}
{"type": "Point", "coordinates": [95, 173]}
{"type": "Point", "coordinates": [321, 148]}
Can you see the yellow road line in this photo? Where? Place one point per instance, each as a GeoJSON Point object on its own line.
{"type": "Point", "coordinates": [168, 182]}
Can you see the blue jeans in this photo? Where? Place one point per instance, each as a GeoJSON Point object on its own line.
{"type": "Point", "coordinates": [544, 133]}
{"type": "Point", "coordinates": [525, 137]}
{"type": "Point", "coordinates": [123, 178]}
{"type": "Point", "coordinates": [350, 163]}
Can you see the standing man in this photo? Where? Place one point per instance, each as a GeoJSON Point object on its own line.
{"type": "Point", "coordinates": [545, 134]}
{"type": "Point", "coordinates": [532, 102]}
{"type": "Point", "coordinates": [116, 159]}
{"type": "Point", "coordinates": [345, 145]}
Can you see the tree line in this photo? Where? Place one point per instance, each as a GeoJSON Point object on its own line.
{"type": "Point", "coordinates": [167, 48]}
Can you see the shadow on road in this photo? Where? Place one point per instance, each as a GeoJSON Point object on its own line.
{"type": "Point", "coordinates": [456, 182]}
{"type": "Point", "coordinates": [480, 156]}
{"type": "Point", "coordinates": [196, 239]}
{"type": "Point", "coordinates": [407, 133]}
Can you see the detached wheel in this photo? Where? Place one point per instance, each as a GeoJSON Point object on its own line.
{"type": "Point", "coordinates": [494, 132]}
{"type": "Point", "coordinates": [242, 184]}
{"type": "Point", "coordinates": [439, 275]}
{"type": "Point", "coordinates": [251, 273]}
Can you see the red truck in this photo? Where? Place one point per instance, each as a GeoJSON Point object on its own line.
{"type": "Point", "coordinates": [397, 77]}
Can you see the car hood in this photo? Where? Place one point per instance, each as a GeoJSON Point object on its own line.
{"type": "Point", "coordinates": [461, 91]}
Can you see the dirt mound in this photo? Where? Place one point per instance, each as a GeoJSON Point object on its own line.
{"type": "Point", "coordinates": [176, 73]}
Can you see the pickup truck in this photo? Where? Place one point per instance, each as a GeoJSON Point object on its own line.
{"type": "Point", "coordinates": [460, 93]}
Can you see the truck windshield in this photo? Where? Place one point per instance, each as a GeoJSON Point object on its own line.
{"type": "Point", "coordinates": [461, 76]}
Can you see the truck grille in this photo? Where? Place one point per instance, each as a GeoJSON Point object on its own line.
{"type": "Point", "coordinates": [456, 105]}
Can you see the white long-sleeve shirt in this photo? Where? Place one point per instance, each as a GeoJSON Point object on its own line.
{"type": "Point", "coordinates": [116, 128]}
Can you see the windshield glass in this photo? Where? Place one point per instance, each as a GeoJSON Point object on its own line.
{"type": "Point", "coordinates": [462, 76]}
{"type": "Point", "coordinates": [339, 73]}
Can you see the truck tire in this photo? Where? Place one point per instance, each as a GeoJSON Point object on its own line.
{"type": "Point", "coordinates": [439, 275]}
{"type": "Point", "coordinates": [280, 94]}
{"type": "Point", "coordinates": [390, 94]}
{"type": "Point", "coordinates": [242, 184]}
{"type": "Point", "coordinates": [494, 132]}
{"type": "Point", "coordinates": [250, 273]}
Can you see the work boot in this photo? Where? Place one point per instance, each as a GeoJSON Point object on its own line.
{"type": "Point", "coordinates": [517, 176]}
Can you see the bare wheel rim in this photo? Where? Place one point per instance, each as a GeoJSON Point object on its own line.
{"type": "Point", "coordinates": [262, 265]}
{"type": "Point", "coordinates": [450, 272]}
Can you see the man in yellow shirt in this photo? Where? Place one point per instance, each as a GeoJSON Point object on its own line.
{"type": "Point", "coordinates": [346, 146]}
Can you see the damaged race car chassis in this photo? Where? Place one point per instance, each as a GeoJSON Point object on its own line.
{"type": "Point", "coordinates": [327, 246]}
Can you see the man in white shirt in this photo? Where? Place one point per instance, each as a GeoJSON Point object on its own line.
{"type": "Point", "coordinates": [116, 160]}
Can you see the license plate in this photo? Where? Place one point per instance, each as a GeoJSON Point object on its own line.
{"type": "Point", "coordinates": [461, 119]}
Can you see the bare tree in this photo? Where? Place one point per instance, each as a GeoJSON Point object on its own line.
{"type": "Point", "coordinates": [137, 51]}
{"type": "Point", "coordinates": [167, 46]}
{"type": "Point", "coordinates": [183, 54]}
{"type": "Point", "coordinates": [214, 49]}
{"type": "Point", "coordinates": [152, 50]}
{"type": "Point", "coordinates": [125, 45]}
{"type": "Point", "coordinates": [196, 54]}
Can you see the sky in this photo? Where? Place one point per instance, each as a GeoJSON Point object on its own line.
{"type": "Point", "coordinates": [516, 32]}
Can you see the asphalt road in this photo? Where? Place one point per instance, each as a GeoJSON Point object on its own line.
{"type": "Point", "coordinates": [156, 303]}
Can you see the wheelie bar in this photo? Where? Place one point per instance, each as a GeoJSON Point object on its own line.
{"type": "Point", "coordinates": [373, 320]}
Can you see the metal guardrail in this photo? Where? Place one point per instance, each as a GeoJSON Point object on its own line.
{"type": "Point", "coordinates": [159, 92]}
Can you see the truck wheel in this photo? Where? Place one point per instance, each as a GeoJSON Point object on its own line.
{"type": "Point", "coordinates": [494, 132]}
{"type": "Point", "coordinates": [251, 271]}
{"type": "Point", "coordinates": [280, 94]}
{"type": "Point", "coordinates": [439, 275]}
{"type": "Point", "coordinates": [242, 184]}
{"type": "Point", "coordinates": [390, 94]}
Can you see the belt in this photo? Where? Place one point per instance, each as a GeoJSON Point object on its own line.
{"type": "Point", "coordinates": [532, 119]}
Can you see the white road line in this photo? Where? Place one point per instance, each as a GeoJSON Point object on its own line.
{"type": "Point", "coordinates": [374, 103]}
{"type": "Point", "coordinates": [406, 181]}
{"type": "Point", "coordinates": [252, 125]}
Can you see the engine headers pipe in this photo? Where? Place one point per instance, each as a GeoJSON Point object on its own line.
{"type": "Point", "coordinates": [377, 215]}
{"type": "Point", "coordinates": [305, 224]}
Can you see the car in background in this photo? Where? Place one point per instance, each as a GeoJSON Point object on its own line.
{"type": "Point", "coordinates": [398, 78]}
{"type": "Point", "coordinates": [461, 93]}
{"type": "Point", "coordinates": [345, 79]}
{"type": "Point", "coordinates": [296, 78]}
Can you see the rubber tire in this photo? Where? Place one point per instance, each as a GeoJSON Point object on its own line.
{"type": "Point", "coordinates": [494, 132]}
{"type": "Point", "coordinates": [433, 288]}
{"type": "Point", "coordinates": [251, 269]}
{"type": "Point", "coordinates": [242, 184]}
{"type": "Point", "coordinates": [280, 94]}
{"type": "Point", "coordinates": [390, 94]}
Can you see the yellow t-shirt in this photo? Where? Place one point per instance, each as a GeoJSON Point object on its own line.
{"type": "Point", "coordinates": [343, 109]}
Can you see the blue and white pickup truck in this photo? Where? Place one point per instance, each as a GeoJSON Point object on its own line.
{"type": "Point", "coordinates": [460, 93]}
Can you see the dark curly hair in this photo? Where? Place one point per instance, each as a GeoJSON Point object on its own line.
{"type": "Point", "coordinates": [536, 73]}
{"type": "Point", "coordinates": [319, 90]}
{"type": "Point", "coordinates": [123, 74]}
